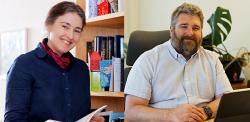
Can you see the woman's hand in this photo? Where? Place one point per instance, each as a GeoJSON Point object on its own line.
{"type": "Point", "coordinates": [97, 119]}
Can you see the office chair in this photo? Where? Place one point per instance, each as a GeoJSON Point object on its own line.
{"type": "Point", "coordinates": [141, 41]}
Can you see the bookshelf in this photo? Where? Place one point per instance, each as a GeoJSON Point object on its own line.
{"type": "Point", "coordinates": [114, 100]}
{"type": "Point", "coordinates": [105, 25]}
{"type": "Point", "coordinates": [115, 20]}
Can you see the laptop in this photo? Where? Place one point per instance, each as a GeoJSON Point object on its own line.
{"type": "Point", "coordinates": [234, 107]}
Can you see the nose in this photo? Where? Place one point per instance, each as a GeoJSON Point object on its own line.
{"type": "Point", "coordinates": [189, 31]}
{"type": "Point", "coordinates": [71, 34]}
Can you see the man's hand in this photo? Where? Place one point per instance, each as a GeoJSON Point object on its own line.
{"type": "Point", "coordinates": [97, 119]}
{"type": "Point", "coordinates": [188, 113]}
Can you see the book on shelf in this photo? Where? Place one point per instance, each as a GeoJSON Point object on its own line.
{"type": "Point", "coordinates": [95, 8]}
{"type": "Point", "coordinates": [103, 7]}
{"type": "Point", "coordinates": [95, 84]}
{"type": "Point", "coordinates": [86, 8]}
{"type": "Point", "coordinates": [109, 51]}
{"type": "Point", "coordinates": [86, 118]}
{"type": "Point", "coordinates": [105, 73]}
{"type": "Point", "coordinates": [110, 47]}
{"type": "Point", "coordinates": [92, 8]}
{"type": "Point", "coordinates": [107, 46]}
{"type": "Point", "coordinates": [113, 6]}
{"type": "Point", "coordinates": [121, 4]}
{"type": "Point", "coordinates": [89, 50]}
{"type": "Point", "coordinates": [103, 47]}
{"type": "Point", "coordinates": [118, 45]}
{"type": "Point", "coordinates": [117, 84]}
{"type": "Point", "coordinates": [95, 58]}
{"type": "Point", "coordinates": [116, 117]}
{"type": "Point", "coordinates": [97, 44]}
{"type": "Point", "coordinates": [123, 82]}
{"type": "Point", "coordinates": [116, 74]}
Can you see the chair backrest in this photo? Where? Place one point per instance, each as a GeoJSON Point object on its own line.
{"type": "Point", "coordinates": [141, 41]}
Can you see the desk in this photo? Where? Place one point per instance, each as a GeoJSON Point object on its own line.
{"type": "Point", "coordinates": [241, 85]}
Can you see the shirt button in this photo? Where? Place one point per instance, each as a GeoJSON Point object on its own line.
{"type": "Point", "coordinates": [69, 105]}
{"type": "Point", "coordinates": [63, 73]}
{"type": "Point", "coordinates": [66, 88]}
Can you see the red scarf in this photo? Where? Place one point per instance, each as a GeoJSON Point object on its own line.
{"type": "Point", "coordinates": [63, 61]}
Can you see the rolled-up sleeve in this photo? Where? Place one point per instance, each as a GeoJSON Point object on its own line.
{"type": "Point", "coordinates": [18, 92]}
{"type": "Point", "coordinates": [139, 78]}
{"type": "Point", "coordinates": [222, 83]}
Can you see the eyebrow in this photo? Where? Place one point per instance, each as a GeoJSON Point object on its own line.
{"type": "Point", "coordinates": [70, 25]}
{"type": "Point", "coordinates": [184, 24]}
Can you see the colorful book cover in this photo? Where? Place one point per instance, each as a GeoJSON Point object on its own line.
{"type": "Point", "coordinates": [95, 58]}
{"type": "Point", "coordinates": [95, 84]}
{"type": "Point", "coordinates": [105, 73]}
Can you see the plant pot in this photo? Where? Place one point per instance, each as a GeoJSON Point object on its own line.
{"type": "Point", "coordinates": [233, 71]}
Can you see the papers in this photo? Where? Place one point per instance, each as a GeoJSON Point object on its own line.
{"type": "Point", "coordinates": [87, 118]}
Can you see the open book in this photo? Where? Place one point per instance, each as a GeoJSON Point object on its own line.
{"type": "Point", "coordinates": [88, 117]}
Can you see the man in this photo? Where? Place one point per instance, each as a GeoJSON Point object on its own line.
{"type": "Point", "coordinates": [177, 80]}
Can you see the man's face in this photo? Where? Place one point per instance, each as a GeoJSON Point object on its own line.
{"type": "Point", "coordinates": [186, 35]}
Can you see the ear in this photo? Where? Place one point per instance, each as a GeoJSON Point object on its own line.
{"type": "Point", "coordinates": [171, 30]}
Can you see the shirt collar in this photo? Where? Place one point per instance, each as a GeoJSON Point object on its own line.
{"type": "Point", "coordinates": [41, 53]}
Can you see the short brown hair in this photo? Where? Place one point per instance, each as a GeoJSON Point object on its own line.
{"type": "Point", "coordinates": [62, 8]}
{"type": "Point", "coordinates": [189, 9]}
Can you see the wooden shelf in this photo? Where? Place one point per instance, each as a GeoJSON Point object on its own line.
{"type": "Point", "coordinates": [105, 25]}
{"type": "Point", "coordinates": [114, 100]}
{"type": "Point", "coordinates": [107, 94]}
{"type": "Point", "coordinates": [114, 20]}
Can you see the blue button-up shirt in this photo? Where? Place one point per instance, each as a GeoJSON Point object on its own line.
{"type": "Point", "coordinates": [167, 79]}
{"type": "Point", "coordinates": [38, 89]}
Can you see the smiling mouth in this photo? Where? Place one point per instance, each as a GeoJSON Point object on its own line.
{"type": "Point", "coordinates": [67, 42]}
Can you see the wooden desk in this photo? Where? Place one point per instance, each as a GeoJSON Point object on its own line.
{"type": "Point", "coordinates": [241, 85]}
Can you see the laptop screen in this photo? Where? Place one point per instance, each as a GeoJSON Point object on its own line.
{"type": "Point", "coordinates": [234, 106]}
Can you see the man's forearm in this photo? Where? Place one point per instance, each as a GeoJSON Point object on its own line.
{"type": "Point", "coordinates": [214, 105]}
{"type": "Point", "coordinates": [140, 113]}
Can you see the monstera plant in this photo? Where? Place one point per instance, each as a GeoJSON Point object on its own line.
{"type": "Point", "coordinates": [220, 23]}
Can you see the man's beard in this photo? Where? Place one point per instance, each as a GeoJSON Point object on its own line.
{"type": "Point", "coordinates": [187, 45]}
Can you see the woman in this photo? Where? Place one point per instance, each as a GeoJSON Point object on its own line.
{"type": "Point", "coordinates": [48, 82]}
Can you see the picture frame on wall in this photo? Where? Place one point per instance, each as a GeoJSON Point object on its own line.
{"type": "Point", "coordinates": [12, 44]}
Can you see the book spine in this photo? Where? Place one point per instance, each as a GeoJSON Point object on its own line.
{"type": "Point", "coordinates": [103, 47]}
{"type": "Point", "coordinates": [92, 8]}
{"type": "Point", "coordinates": [105, 72]}
{"type": "Point", "coordinates": [89, 51]}
{"type": "Point", "coordinates": [117, 74]}
{"type": "Point", "coordinates": [121, 5]}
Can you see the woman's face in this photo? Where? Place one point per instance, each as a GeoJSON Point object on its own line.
{"type": "Point", "coordinates": [64, 33]}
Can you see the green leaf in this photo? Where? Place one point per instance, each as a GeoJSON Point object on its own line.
{"type": "Point", "coordinates": [220, 23]}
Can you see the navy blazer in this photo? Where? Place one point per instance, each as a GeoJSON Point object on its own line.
{"type": "Point", "coordinates": [38, 89]}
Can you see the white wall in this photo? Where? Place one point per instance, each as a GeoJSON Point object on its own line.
{"type": "Point", "coordinates": [156, 14]}
{"type": "Point", "coordinates": [30, 14]}
{"type": "Point", "coordinates": [131, 17]}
